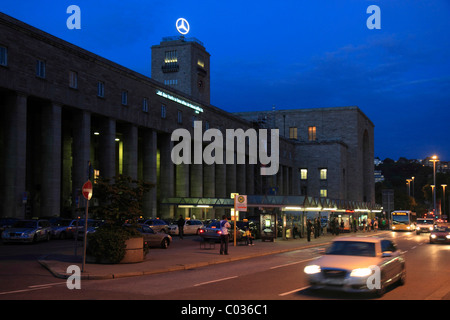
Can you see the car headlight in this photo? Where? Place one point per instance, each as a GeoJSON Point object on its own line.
{"type": "Point", "coordinates": [431, 228]}
{"type": "Point", "coordinates": [448, 236]}
{"type": "Point", "coordinates": [361, 272]}
{"type": "Point", "coordinates": [433, 236]}
{"type": "Point", "coordinates": [312, 269]}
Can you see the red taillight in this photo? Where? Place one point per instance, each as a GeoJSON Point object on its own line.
{"type": "Point", "coordinates": [219, 232]}
{"type": "Point", "coordinates": [201, 231]}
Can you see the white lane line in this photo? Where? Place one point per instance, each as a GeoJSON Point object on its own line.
{"type": "Point", "coordinates": [292, 263]}
{"type": "Point", "coordinates": [218, 280]}
{"type": "Point", "coordinates": [293, 291]}
{"type": "Point", "coordinates": [24, 290]}
{"type": "Point", "coordinates": [48, 284]}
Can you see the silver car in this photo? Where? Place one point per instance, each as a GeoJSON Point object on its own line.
{"type": "Point", "coordinates": [28, 231]}
{"type": "Point", "coordinates": [154, 239]}
{"type": "Point", "coordinates": [355, 264]}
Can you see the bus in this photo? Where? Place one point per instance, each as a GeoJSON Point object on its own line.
{"type": "Point", "coordinates": [402, 220]}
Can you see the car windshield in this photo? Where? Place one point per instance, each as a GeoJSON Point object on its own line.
{"type": "Point", "coordinates": [352, 248]}
{"type": "Point", "coordinates": [25, 224]}
{"type": "Point", "coordinates": [214, 224]}
{"type": "Point", "coordinates": [427, 221]}
{"type": "Point", "coordinates": [442, 229]}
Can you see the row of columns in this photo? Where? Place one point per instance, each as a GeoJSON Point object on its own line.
{"type": "Point", "coordinates": [139, 161]}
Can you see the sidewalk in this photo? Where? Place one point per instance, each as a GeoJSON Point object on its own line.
{"type": "Point", "coordinates": [182, 255]}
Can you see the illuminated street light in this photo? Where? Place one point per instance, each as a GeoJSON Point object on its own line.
{"type": "Point", "coordinates": [434, 159]}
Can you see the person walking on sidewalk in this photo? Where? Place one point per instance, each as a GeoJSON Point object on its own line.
{"type": "Point", "coordinates": [224, 236]}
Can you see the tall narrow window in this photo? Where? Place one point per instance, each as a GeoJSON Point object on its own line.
{"type": "Point", "coordinates": [303, 174]}
{"type": "Point", "coordinates": [73, 79]}
{"type": "Point", "coordinates": [293, 133]}
{"type": "Point", "coordinates": [311, 133]}
{"type": "Point", "coordinates": [323, 193]}
{"type": "Point", "coordinates": [180, 117]}
{"type": "Point", "coordinates": [3, 56]}
{"type": "Point", "coordinates": [124, 98]}
{"type": "Point", "coordinates": [100, 89]}
{"type": "Point", "coordinates": [171, 56]}
{"type": "Point", "coordinates": [145, 105]}
{"type": "Point", "coordinates": [163, 111]}
{"type": "Point", "coordinates": [323, 174]}
{"type": "Point", "coordinates": [40, 68]}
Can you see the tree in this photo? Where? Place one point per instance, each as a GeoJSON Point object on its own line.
{"type": "Point", "coordinates": [120, 198]}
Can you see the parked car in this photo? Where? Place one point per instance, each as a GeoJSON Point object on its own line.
{"type": "Point", "coordinates": [65, 228]}
{"type": "Point", "coordinates": [351, 263]}
{"type": "Point", "coordinates": [153, 238]}
{"type": "Point", "coordinates": [157, 225]}
{"type": "Point", "coordinates": [91, 227]}
{"type": "Point", "coordinates": [440, 234]}
{"type": "Point", "coordinates": [7, 223]}
{"type": "Point", "coordinates": [191, 226]}
{"type": "Point", "coordinates": [212, 231]}
{"type": "Point", "coordinates": [28, 231]}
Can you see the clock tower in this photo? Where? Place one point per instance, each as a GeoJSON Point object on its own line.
{"type": "Point", "coordinates": [183, 64]}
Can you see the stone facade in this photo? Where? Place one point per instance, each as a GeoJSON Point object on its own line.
{"type": "Point", "coordinates": [63, 107]}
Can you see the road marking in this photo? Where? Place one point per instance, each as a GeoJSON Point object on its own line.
{"type": "Point", "coordinates": [24, 290]}
{"type": "Point", "coordinates": [48, 284]}
{"type": "Point", "coordinates": [218, 280]}
{"type": "Point", "coordinates": [293, 291]}
{"type": "Point", "coordinates": [292, 263]}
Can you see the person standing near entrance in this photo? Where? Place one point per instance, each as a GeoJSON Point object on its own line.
{"type": "Point", "coordinates": [180, 224]}
{"type": "Point", "coordinates": [224, 236]}
{"type": "Point", "coordinates": [308, 229]}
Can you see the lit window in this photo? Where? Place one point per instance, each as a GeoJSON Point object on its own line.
{"type": "Point", "coordinates": [303, 174]}
{"type": "Point", "coordinates": [145, 105]}
{"type": "Point", "coordinates": [40, 68]}
{"type": "Point", "coordinates": [163, 111]}
{"type": "Point", "coordinates": [124, 98]}
{"type": "Point", "coordinates": [292, 133]}
{"type": "Point", "coordinates": [100, 89]}
{"type": "Point", "coordinates": [3, 56]}
{"type": "Point", "coordinates": [323, 193]}
{"type": "Point", "coordinates": [171, 57]}
{"type": "Point", "coordinates": [180, 117]}
{"type": "Point", "coordinates": [73, 79]}
{"type": "Point", "coordinates": [311, 133]}
{"type": "Point", "coordinates": [323, 174]}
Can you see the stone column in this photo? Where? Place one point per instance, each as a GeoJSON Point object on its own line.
{"type": "Point", "coordinates": [149, 171]}
{"type": "Point", "coordinates": [107, 148]}
{"type": "Point", "coordinates": [14, 156]}
{"type": "Point", "coordinates": [167, 171]}
{"type": "Point", "coordinates": [130, 151]}
{"type": "Point", "coordinates": [51, 160]}
{"type": "Point", "coordinates": [81, 151]}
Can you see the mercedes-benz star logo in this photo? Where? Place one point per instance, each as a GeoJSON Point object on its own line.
{"type": "Point", "coordinates": [182, 26]}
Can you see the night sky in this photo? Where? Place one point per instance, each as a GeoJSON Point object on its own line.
{"type": "Point", "coordinates": [290, 54]}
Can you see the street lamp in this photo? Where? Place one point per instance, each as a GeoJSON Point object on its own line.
{"type": "Point", "coordinates": [443, 207]}
{"type": "Point", "coordinates": [413, 185]}
{"type": "Point", "coordinates": [434, 159]}
{"type": "Point", "coordinates": [432, 193]}
{"type": "Point", "coordinates": [408, 182]}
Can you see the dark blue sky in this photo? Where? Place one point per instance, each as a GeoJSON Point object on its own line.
{"type": "Point", "coordinates": [290, 54]}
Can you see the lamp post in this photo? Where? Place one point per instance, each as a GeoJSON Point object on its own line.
{"type": "Point", "coordinates": [434, 159]}
{"type": "Point", "coordinates": [413, 185]}
{"type": "Point", "coordinates": [443, 207]}
{"type": "Point", "coordinates": [432, 193]}
{"type": "Point", "coordinates": [408, 182]}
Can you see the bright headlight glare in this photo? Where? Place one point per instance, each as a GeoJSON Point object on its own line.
{"type": "Point", "coordinates": [448, 236]}
{"type": "Point", "coordinates": [312, 269]}
{"type": "Point", "coordinates": [361, 272]}
{"type": "Point", "coordinates": [433, 236]}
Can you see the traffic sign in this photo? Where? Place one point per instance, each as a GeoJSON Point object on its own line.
{"type": "Point", "coordinates": [240, 203]}
{"type": "Point", "coordinates": [87, 190]}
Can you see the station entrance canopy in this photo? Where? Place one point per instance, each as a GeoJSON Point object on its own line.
{"type": "Point", "coordinates": [283, 203]}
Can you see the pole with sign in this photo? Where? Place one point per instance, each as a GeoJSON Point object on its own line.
{"type": "Point", "coordinates": [240, 204]}
{"type": "Point", "coordinates": [87, 194]}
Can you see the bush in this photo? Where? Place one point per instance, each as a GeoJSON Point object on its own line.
{"type": "Point", "coordinates": [107, 244]}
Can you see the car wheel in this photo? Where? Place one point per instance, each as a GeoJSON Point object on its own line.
{"type": "Point", "coordinates": [402, 279]}
{"type": "Point", "coordinates": [165, 243]}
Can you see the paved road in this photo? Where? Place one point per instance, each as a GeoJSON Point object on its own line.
{"type": "Point", "coordinates": [274, 277]}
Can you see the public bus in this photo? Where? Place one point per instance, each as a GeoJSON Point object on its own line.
{"type": "Point", "coordinates": [402, 220]}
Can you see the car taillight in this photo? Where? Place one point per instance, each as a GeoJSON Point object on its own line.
{"type": "Point", "coordinates": [219, 232]}
{"type": "Point", "coordinates": [201, 231]}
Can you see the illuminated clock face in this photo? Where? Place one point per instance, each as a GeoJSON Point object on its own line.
{"type": "Point", "coordinates": [182, 26]}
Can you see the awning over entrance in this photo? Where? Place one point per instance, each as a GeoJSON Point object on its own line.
{"type": "Point", "coordinates": [284, 203]}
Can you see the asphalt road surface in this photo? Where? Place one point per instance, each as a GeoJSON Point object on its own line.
{"type": "Point", "coordinates": [274, 277]}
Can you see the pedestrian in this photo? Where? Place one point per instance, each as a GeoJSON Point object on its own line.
{"type": "Point", "coordinates": [316, 230]}
{"type": "Point", "coordinates": [224, 235]}
{"type": "Point", "coordinates": [180, 224]}
{"type": "Point", "coordinates": [308, 229]}
{"type": "Point", "coordinates": [364, 225]}
{"type": "Point", "coordinates": [248, 237]}
{"type": "Point", "coordinates": [333, 226]}
{"type": "Point", "coordinates": [354, 225]}
{"type": "Point", "coordinates": [375, 225]}
{"type": "Point", "coordinates": [369, 224]}
{"type": "Point", "coordinates": [294, 231]}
